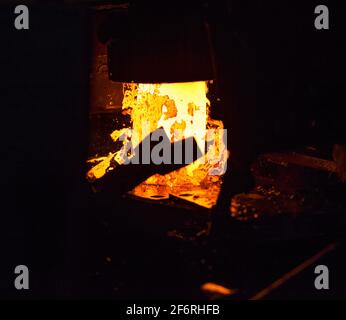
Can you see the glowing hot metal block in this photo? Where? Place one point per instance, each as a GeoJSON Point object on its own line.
{"type": "Point", "coordinates": [181, 110]}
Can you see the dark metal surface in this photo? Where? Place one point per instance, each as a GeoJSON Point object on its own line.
{"type": "Point", "coordinates": [155, 43]}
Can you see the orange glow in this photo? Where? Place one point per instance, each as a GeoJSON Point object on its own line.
{"type": "Point", "coordinates": [181, 109]}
